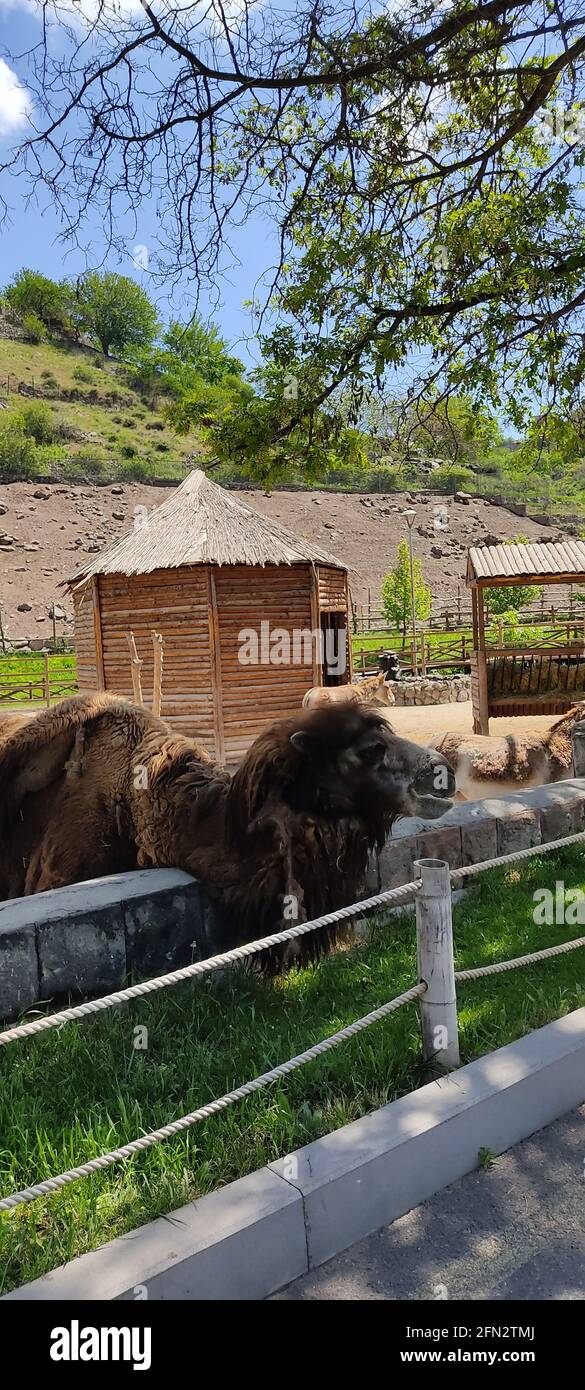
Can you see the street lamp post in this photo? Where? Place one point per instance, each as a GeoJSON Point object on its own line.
{"type": "Point", "coordinates": [409, 516]}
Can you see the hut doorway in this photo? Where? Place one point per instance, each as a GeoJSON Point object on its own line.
{"type": "Point", "coordinates": [333, 648]}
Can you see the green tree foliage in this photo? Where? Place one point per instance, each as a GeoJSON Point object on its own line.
{"type": "Point", "coordinates": [510, 598]}
{"type": "Point", "coordinates": [396, 592]}
{"type": "Point", "coordinates": [427, 203]}
{"type": "Point", "coordinates": [115, 312]}
{"type": "Point", "coordinates": [32, 295]}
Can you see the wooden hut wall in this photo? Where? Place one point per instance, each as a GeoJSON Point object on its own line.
{"type": "Point", "coordinates": [332, 590]}
{"type": "Point", "coordinates": [254, 695]}
{"type": "Point", "coordinates": [174, 603]}
{"type": "Point", "coordinates": [85, 639]}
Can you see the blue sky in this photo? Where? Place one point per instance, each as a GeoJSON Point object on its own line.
{"type": "Point", "coordinates": [32, 236]}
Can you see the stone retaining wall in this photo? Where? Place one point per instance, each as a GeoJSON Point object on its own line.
{"type": "Point", "coordinates": [88, 939]}
{"type": "Point", "coordinates": [431, 690]}
{"type": "Point", "coordinates": [477, 830]}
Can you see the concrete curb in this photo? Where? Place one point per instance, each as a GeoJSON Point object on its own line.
{"type": "Point", "coordinates": [87, 938]}
{"type": "Point", "coordinates": [257, 1234]}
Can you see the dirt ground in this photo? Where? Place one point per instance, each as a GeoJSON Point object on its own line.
{"type": "Point", "coordinates": [422, 723]}
{"type": "Point", "coordinates": [46, 532]}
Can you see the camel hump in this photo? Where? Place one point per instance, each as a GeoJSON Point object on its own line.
{"type": "Point", "coordinates": [34, 752]}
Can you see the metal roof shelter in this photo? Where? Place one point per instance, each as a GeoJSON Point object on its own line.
{"type": "Point", "coordinates": [546, 678]}
{"type": "Point", "coordinates": [200, 569]}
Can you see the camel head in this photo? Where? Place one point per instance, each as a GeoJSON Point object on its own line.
{"type": "Point", "coordinates": [342, 761]}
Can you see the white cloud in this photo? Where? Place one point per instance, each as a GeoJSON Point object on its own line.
{"type": "Point", "coordinates": [15, 101]}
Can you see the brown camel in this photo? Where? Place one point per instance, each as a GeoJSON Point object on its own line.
{"type": "Point", "coordinates": [97, 785]}
{"type": "Point", "coordinates": [372, 690]}
{"type": "Point", "coordinates": [484, 763]}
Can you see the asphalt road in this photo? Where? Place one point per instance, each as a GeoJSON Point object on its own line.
{"type": "Point", "coordinates": [515, 1230]}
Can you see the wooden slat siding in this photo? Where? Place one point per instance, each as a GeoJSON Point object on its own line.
{"type": "Point", "coordinates": [215, 652]}
{"type": "Point", "coordinates": [85, 647]}
{"type": "Point", "coordinates": [332, 589]}
{"type": "Point", "coordinates": [254, 696]}
{"type": "Point", "coordinates": [317, 674]}
{"type": "Point", "coordinates": [175, 604]}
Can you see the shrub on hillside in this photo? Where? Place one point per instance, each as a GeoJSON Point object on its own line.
{"type": "Point", "coordinates": [82, 374]}
{"type": "Point", "coordinates": [34, 329]}
{"type": "Point", "coordinates": [37, 421]}
{"type": "Point", "coordinates": [17, 450]}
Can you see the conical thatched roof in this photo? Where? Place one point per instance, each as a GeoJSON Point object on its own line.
{"type": "Point", "coordinates": [202, 524]}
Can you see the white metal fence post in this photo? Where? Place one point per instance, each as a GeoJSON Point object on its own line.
{"type": "Point", "coordinates": [436, 967]}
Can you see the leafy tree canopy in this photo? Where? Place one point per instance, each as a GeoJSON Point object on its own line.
{"type": "Point", "coordinates": [115, 311]}
{"type": "Point", "coordinates": [30, 293]}
{"type": "Point", "coordinates": [422, 163]}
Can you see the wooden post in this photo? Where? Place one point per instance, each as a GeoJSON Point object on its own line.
{"type": "Point", "coordinates": [423, 662]}
{"type": "Point", "coordinates": [136, 667]}
{"type": "Point", "coordinates": [46, 680]}
{"type": "Point", "coordinates": [578, 742]}
{"type": "Point", "coordinates": [2, 635]}
{"type": "Point", "coordinates": [97, 628]}
{"type": "Point", "coordinates": [434, 941]}
{"type": "Point", "coordinates": [158, 646]}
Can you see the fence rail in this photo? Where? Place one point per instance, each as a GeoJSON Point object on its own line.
{"type": "Point", "coordinates": [435, 990]}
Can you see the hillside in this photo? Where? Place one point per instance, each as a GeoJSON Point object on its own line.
{"type": "Point", "coordinates": [48, 529]}
{"type": "Point", "coordinates": [103, 428]}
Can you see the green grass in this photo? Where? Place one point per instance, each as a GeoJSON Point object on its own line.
{"type": "Point", "coordinates": [443, 644]}
{"type": "Point", "coordinates": [72, 1094]}
{"type": "Point", "coordinates": [27, 669]}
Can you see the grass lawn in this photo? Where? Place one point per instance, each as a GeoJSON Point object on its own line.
{"type": "Point", "coordinates": [74, 1093]}
{"type": "Point", "coordinates": [26, 669]}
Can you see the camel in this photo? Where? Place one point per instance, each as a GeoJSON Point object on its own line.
{"type": "Point", "coordinates": [371, 690]}
{"type": "Point", "coordinates": [97, 785]}
{"type": "Point", "coordinates": [483, 763]}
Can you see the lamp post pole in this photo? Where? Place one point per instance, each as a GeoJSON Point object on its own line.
{"type": "Point", "coordinates": [410, 515]}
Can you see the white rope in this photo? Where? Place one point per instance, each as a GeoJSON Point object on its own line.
{"type": "Point", "coordinates": [203, 967]}
{"type": "Point", "coordinates": [530, 853]}
{"type": "Point", "coordinates": [96, 1165]}
{"type": "Point", "coordinates": [480, 970]}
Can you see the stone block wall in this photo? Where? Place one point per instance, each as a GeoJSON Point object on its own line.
{"type": "Point", "coordinates": [474, 831]}
{"type": "Point", "coordinates": [431, 690]}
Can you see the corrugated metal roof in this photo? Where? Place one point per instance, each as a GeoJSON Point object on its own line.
{"type": "Point", "coordinates": [535, 560]}
{"type": "Point", "coordinates": [202, 524]}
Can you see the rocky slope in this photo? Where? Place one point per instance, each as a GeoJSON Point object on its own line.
{"type": "Point", "coordinates": [46, 530]}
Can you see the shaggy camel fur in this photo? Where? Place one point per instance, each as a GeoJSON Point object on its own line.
{"type": "Point", "coordinates": [97, 785]}
{"type": "Point", "coordinates": [372, 690]}
{"type": "Point", "coordinates": [483, 763]}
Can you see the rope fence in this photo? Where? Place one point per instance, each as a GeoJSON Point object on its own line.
{"type": "Point", "coordinates": [435, 992]}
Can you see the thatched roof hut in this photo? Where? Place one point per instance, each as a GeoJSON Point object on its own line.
{"type": "Point", "coordinates": [203, 569]}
